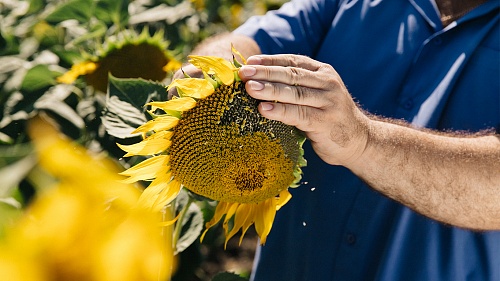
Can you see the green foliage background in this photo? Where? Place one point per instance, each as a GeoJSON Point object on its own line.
{"type": "Point", "coordinates": [41, 39]}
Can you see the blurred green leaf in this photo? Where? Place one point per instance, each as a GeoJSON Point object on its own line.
{"type": "Point", "coordinates": [192, 223]}
{"type": "Point", "coordinates": [125, 110]}
{"type": "Point", "coordinates": [80, 10]}
{"type": "Point", "coordinates": [96, 30]}
{"type": "Point", "coordinates": [112, 11]}
{"type": "Point", "coordinates": [228, 276]}
{"type": "Point", "coordinates": [11, 201]}
{"type": "Point", "coordinates": [38, 77]}
{"type": "Point", "coordinates": [13, 174]}
{"type": "Point", "coordinates": [9, 212]}
{"type": "Point", "coordinates": [36, 6]}
{"type": "Point", "coordinates": [57, 99]}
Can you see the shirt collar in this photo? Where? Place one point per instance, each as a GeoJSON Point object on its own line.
{"type": "Point", "coordinates": [428, 9]}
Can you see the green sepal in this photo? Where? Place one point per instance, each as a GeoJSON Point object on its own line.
{"type": "Point", "coordinates": [215, 82]}
{"type": "Point", "coordinates": [236, 63]}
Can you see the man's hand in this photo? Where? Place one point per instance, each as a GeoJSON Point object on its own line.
{"type": "Point", "coordinates": [311, 96]}
{"type": "Point", "coordinates": [451, 178]}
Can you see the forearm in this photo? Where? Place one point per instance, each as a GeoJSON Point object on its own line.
{"type": "Point", "coordinates": [453, 179]}
{"type": "Point", "coordinates": [220, 46]}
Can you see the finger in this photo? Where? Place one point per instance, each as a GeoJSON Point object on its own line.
{"type": "Point", "coordinates": [284, 93]}
{"type": "Point", "coordinates": [286, 60]}
{"type": "Point", "coordinates": [286, 75]}
{"type": "Point", "coordinates": [302, 117]}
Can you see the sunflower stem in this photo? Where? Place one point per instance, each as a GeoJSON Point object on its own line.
{"type": "Point", "coordinates": [178, 224]}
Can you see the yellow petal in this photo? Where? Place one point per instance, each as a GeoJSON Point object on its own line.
{"type": "Point", "coordinates": [249, 220]}
{"type": "Point", "coordinates": [229, 214]}
{"type": "Point", "coordinates": [167, 195]}
{"type": "Point", "coordinates": [170, 222]}
{"type": "Point", "coordinates": [223, 69]}
{"type": "Point", "coordinates": [233, 49]}
{"type": "Point", "coordinates": [284, 197]}
{"type": "Point", "coordinates": [264, 218]}
{"type": "Point", "coordinates": [151, 193]}
{"type": "Point", "coordinates": [220, 211]}
{"type": "Point", "coordinates": [77, 70]}
{"type": "Point", "coordinates": [242, 214]}
{"type": "Point", "coordinates": [179, 104]}
{"type": "Point", "coordinates": [159, 124]}
{"type": "Point", "coordinates": [154, 144]}
{"type": "Point", "coordinates": [172, 65]}
{"type": "Point", "coordinates": [147, 169]}
{"type": "Point", "coordinates": [193, 87]}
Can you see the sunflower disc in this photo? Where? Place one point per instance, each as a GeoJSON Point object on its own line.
{"type": "Point", "coordinates": [224, 149]}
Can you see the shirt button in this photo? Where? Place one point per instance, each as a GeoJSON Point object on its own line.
{"type": "Point", "coordinates": [351, 238]}
{"type": "Point", "coordinates": [408, 104]}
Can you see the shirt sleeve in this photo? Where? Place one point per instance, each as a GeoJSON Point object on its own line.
{"type": "Point", "coordinates": [298, 27]}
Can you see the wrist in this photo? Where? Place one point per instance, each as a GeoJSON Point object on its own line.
{"type": "Point", "coordinates": [360, 148]}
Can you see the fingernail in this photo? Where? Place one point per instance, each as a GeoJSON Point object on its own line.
{"type": "Point", "coordinates": [248, 70]}
{"type": "Point", "coordinates": [254, 85]}
{"type": "Point", "coordinates": [254, 60]}
{"type": "Point", "coordinates": [266, 106]}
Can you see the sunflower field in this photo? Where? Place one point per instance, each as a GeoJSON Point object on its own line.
{"type": "Point", "coordinates": [77, 78]}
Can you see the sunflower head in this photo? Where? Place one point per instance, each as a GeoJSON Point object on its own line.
{"type": "Point", "coordinates": [126, 55]}
{"type": "Point", "coordinates": [213, 141]}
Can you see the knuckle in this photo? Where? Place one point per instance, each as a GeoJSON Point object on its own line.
{"type": "Point", "coordinates": [274, 91]}
{"type": "Point", "coordinates": [306, 117]}
{"type": "Point", "coordinates": [294, 75]}
{"type": "Point", "coordinates": [300, 92]}
{"type": "Point", "coordinates": [267, 73]}
{"type": "Point", "coordinates": [293, 60]}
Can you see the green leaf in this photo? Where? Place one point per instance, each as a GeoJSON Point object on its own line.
{"type": "Point", "coordinates": [125, 100]}
{"type": "Point", "coordinates": [96, 31]}
{"type": "Point", "coordinates": [20, 105]}
{"type": "Point", "coordinates": [81, 10]}
{"type": "Point", "coordinates": [37, 78]}
{"type": "Point", "coordinates": [54, 100]}
{"type": "Point", "coordinates": [192, 224]}
{"type": "Point", "coordinates": [112, 11]}
{"type": "Point", "coordinates": [11, 201]}
{"type": "Point", "coordinates": [228, 276]}
{"type": "Point", "coordinates": [36, 6]}
{"type": "Point", "coordinates": [10, 211]}
{"type": "Point", "coordinates": [13, 174]}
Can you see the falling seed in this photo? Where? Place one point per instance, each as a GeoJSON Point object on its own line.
{"type": "Point", "coordinates": [304, 223]}
{"type": "Point", "coordinates": [313, 189]}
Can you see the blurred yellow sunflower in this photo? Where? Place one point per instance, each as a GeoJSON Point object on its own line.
{"type": "Point", "coordinates": [213, 141]}
{"type": "Point", "coordinates": [126, 55]}
{"type": "Point", "coordinates": [84, 224]}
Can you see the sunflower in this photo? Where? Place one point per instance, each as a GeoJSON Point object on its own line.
{"type": "Point", "coordinates": [82, 226]}
{"type": "Point", "coordinates": [213, 141]}
{"type": "Point", "coordinates": [126, 55]}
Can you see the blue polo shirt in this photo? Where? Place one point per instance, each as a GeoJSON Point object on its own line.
{"type": "Point", "coordinates": [398, 61]}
